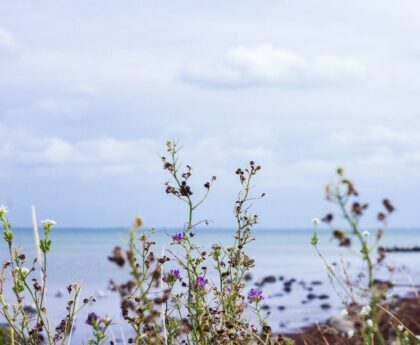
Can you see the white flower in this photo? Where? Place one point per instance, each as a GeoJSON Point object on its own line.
{"type": "Point", "coordinates": [315, 221]}
{"type": "Point", "coordinates": [350, 333]}
{"type": "Point", "coordinates": [418, 337]}
{"type": "Point", "coordinates": [400, 328]}
{"type": "Point", "coordinates": [169, 144]}
{"type": "Point", "coordinates": [344, 312]}
{"type": "Point", "coordinates": [3, 210]}
{"type": "Point", "coordinates": [366, 234]}
{"type": "Point", "coordinates": [106, 320]}
{"type": "Point", "coordinates": [365, 310]}
{"type": "Point", "coordinates": [22, 272]}
{"type": "Point", "coordinates": [369, 323]}
{"type": "Point", "coordinates": [48, 222]}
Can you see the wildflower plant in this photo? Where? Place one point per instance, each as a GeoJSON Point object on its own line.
{"type": "Point", "coordinates": [99, 327]}
{"type": "Point", "coordinates": [140, 303]}
{"type": "Point", "coordinates": [182, 304]}
{"type": "Point", "coordinates": [173, 299]}
{"type": "Point", "coordinates": [364, 294]}
{"type": "Point", "coordinates": [24, 326]}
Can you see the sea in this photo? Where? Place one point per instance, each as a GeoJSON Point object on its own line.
{"type": "Point", "coordinates": [298, 292]}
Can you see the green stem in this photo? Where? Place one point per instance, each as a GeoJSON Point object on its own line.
{"type": "Point", "coordinates": [38, 308]}
{"type": "Point", "coordinates": [8, 317]}
{"type": "Point", "coordinates": [356, 231]}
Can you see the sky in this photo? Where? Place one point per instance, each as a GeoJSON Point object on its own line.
{"type": "Point", "coordinates": [91, 90]}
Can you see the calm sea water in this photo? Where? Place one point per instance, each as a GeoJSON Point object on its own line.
{"type": "Point", "coordinates": [81, 255]}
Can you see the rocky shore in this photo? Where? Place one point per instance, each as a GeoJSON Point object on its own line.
{"type": "Point", "coordinates": [335, 330]}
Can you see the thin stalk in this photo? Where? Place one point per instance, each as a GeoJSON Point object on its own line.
{"type": "Point", "coordinates": [75, 305]}
{"type": "Point", "coordinates": [359, 235]}
{"type": "Point", "coordinates": [164, 310]}
{"type": "Point", "coordinates": [39, 311]}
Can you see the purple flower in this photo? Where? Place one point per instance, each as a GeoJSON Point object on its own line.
{"type": "Point", "coordinates": [200, 282]}
{"type": "Point", "coordinates": [178, 237]}
{"type": "Point", "coordinates": [175, 273]}
{"type": "Point", "coordinates": [255, 296]}
{"type": "Point", "coordinates": [172, 276]}
{"type": "Point", "coordinates": [92, 319]}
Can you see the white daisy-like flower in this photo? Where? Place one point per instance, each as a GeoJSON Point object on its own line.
{"type": "Point", "coordinates": [400, 328]}
{"type": "Point", "coordinates": [365, 310]}
{"type": "Point", "coordinates": [369, 323]}
{"type": "Point", "coordinates": [315, 221]}
{"type": "Point", "coordinates": [350, 333]}
{"type": "Point", "coordinates": [366, 234]}
{"type": "Point", "coordinates": [3, 210]}
{"type": "Point", "coordinates": [22, 271]}
{"type": "Point", "coordinates": [48, 222]}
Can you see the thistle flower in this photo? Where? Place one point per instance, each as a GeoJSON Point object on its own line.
{"type": "Point", "coordinates": [178, 237]}
{"type": "Point", "coordinates": [255, 296]}
{"type": "Point", "coordinates": [228, 288]}
{"type": "Point", "coordinates": [365, 310]}
{"type": "Point", "coordinates": [200, 282]}
{"type": "Point", "coordinates": [172, 276]}
{"type": "Point", "coordinates": [175, 273]}
{"type": "Point", "coordinates": [92, 319]}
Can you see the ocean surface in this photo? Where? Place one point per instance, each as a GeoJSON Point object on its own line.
{"type": "Point", "coordinates": [81, 255]}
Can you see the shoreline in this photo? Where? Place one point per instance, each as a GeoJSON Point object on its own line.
{"type": "Point", "coordinates": [334, 330]}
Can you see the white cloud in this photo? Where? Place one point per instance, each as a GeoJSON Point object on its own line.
{"type": "Point", "coordinates": [270, 66]}
{"type": "Point", "coordinates": [365, 152]}
{"type": "Point", "coordinates": [377, 139]}
{"type": "Point", "coordinates": [56, 157]}
{"type": "Point", "coordinates": [56, 150]}
{"type": "Point", "coordinates": [71, 106]}
{"type": "Point", "coordinates": [8, 44]}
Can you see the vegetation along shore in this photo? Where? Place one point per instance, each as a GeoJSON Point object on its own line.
{"type": "Point", "coordinates": [190, 293]}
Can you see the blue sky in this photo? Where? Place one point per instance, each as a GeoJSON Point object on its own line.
{"type": "Point", "coordinates": [91, 90]}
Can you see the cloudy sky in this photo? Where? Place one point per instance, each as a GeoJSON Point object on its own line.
{"type": "Point", "coordinates": [91, 90]}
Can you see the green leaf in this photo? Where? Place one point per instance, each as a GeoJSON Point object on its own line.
{"type": "Point", "coordinates": [314, 240]}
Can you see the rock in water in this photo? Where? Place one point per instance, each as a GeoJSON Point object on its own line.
{"type": "Point", "coordinates": [29, 311]}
